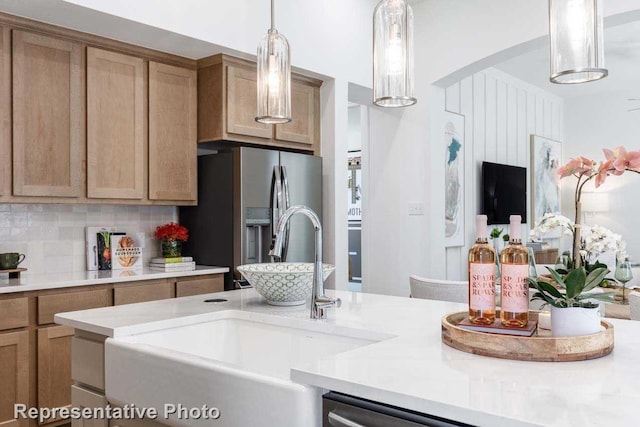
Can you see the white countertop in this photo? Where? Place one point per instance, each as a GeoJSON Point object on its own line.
{"type": "Point", "coordinates": [415, 370]}
{"type": "Point", "coordinates": [39, 281]}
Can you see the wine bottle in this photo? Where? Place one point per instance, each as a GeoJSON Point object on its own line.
{"type": "Point", "coordinates": [514, 292]}
{"type": "Point", "coordinates": [482, 275]}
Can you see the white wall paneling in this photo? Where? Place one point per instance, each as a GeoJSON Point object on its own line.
{"type": "Point", "coordinates": [501, 112]}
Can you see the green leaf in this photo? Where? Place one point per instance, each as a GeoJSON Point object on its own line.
{"type": "Point", "coordinates": [575, 281]}
{"type": "Point", "coordinates": [542, 297]}
{"type": "Point", "coordinates": [550, 289]}
{"type": "Point", "coordinates": [606, 296]}
{"type": "Point", "coordinates": [595, 278]}
{"type": "Point", "coordinates": [557, 277]}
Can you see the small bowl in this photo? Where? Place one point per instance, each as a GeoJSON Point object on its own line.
{"type": "Point", "coordinates": [283, 283]}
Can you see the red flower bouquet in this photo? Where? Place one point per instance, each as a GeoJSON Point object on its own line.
{"type": "Point", "coordinates": [172, 232]}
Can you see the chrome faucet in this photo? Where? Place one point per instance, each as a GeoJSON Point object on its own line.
{"type": "Point", "coordinates": [319, 301]}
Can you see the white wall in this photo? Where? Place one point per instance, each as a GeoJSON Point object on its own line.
{"type": "Point", "coordinates": [53, 236]}
{"type": "Point", "coordinates": [501, 113]}
{"type": "Point", "coordinates": [593, 123]}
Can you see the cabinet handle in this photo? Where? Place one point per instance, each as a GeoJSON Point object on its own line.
{"type": "Point", "coordinates": [340, 421]}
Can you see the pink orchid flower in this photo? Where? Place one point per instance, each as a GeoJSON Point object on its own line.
{"type": "Point", "coordinates": [604, 171]}
{"type": "Point", "coordinates": [576, 166]}
{"type": "Point", "coordinates": [623, 159]}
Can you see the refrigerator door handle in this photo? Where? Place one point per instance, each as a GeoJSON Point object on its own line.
{"type": "Point", "coordinates": [275, 201]}
{"type": "Point", "coordinates": [285, 206]}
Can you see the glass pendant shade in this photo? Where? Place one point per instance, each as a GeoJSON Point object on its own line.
{"type": "Point", "coordinates": [393, 54]}
{"type": "Point", "coordinates": [576, 35]}
{"type": "Point", "coordinates": [274, 79]}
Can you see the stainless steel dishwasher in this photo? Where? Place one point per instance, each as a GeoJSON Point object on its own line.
{"type": "Point", "coordinates": [341, 410]}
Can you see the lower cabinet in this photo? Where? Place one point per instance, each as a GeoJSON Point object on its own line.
{"type": "Point", "coordinates": [150, 291]}
{"type": "Point", "coordinates": [50, 346]}
{"type": "Point", "coordinates": [82, 398]}
{"type": "Point", "coordinates": [14, 374]}
{"type": "Point", "coordinates": [197, 286]}
{"type": "Point", "coordinates": [54, 367]}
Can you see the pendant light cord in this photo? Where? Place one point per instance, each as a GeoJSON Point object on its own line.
{"type": "Point", "coordinates": [273, 25]}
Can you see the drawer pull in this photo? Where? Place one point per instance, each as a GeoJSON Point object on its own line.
{"type": "Point", "coordinates": [340, 421]}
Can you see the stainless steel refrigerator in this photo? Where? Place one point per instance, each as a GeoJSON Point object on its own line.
{"type": "Point", "coordinates": [241, 193]}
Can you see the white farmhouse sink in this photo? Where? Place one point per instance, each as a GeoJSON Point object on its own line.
{"type": "Point", "coordinates": [238, 363]}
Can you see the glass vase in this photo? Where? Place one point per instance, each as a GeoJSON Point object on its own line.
{"type": "Point", "coordinates": [171, 248]}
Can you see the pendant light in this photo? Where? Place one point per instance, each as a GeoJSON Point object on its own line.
{"type": "Point", "coordinates": [393, 54]}
{"type": "Point", "coordinates": [576, 35]}
{"type": "Point", "coordinates": [274, 77]}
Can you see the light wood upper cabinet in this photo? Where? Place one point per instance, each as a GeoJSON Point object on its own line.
{"type": "Point", "coordinates": [48, 116]}
{"type": "Point", "coordinates": [116, 125]}
{"type": "Point", "coordinates": [14, 371]}
{"type": "Point", "coordinates": [227, 104]}
{"type": "Point", "coordinates": [242, 101]}
{"type": "Point", "coordinates": [305, 115]}
{"type": "Point", "coordinates": [54, 367]}
{"type": "Point", "coordinates": [172, 133]}
{"type": "Point", "coordinates": [5, 112]}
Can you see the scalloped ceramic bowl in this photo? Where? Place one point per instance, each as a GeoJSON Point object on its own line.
{"type": "Point", "coordinates": [283, 283]}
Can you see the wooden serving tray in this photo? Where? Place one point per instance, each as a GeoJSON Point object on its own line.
{"type": "Point", "coordinates": [541, 347]}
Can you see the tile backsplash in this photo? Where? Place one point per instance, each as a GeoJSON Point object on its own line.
{"type": "Point", "coordinates": [53, 236]}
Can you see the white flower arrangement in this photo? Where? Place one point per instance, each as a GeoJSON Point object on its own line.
{"type": "Point", "coordinates": [595, 240]}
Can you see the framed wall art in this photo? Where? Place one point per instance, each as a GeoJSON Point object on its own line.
{"type": "Point", "coordinates": [546, 159]}
{"type": "Point", "coordinates": [454, 179]}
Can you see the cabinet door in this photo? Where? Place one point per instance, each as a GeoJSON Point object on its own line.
{"type": "Point", "coordinates": [5, 112]}
{"type": "Point", "coordinates": [199, 286]}
{"type": "Point", "coordinates": [150, 291]}
{"type": "Point", "coordinates": [48, 121]}
{"type": "Point", "coordinates": [14, 371]}
{"type": "Point", "coordinates": [304, 116]}
{"type": "Point", "coordinates": [54, 367]}
{"type": "Point", "coordinates": [116, 117]}
{"type": "Point", "coordinates": [242, 102]}
{"type": "Point", "coordinates": [172, 133]}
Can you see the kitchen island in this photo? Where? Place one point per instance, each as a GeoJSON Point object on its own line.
{"type": "Point", "coordinates": [408, 366]}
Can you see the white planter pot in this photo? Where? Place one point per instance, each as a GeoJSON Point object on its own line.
{"type": "Point", "coordinates": [574, 321]}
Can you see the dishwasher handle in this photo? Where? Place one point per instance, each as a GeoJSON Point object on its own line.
{"type": "Point", "coordinates": [340, 421]}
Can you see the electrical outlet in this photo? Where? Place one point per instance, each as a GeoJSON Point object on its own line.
{"type": "Point", "coordinates": [416, 208]}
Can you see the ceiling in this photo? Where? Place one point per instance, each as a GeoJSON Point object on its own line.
{"type": "Point", "coordinates": [622, 59]}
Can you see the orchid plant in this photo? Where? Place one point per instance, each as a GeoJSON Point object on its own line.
{"type": "Point", "coordinates": [616, 162]}
{"type": "Point", "coordinates": [595, 240]}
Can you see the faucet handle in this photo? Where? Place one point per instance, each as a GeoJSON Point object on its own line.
{"type": "Point", "coordinates": [326, 302]}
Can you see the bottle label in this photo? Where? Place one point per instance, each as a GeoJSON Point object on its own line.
{"type": "Point", "coordinates": [482, 288]}
{"type": "Point", "coordinates": [515, 288]}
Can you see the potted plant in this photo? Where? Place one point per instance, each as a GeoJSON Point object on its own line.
{"type": "Point", "coordinates": [172, 235]}
{"type": "Point", "coordinates": [574, 307]}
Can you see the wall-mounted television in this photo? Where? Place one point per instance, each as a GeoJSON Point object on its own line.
{"type": "Point", "coordinates": [504, 192]}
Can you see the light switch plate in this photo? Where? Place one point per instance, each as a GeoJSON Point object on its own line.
{"type": "Point", "coordinates": [416, 208]}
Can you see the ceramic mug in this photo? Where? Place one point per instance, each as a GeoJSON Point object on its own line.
{"type": "Point", "coordinates": [10, 261]}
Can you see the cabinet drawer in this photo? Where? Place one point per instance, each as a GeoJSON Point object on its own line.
{"type": "Point", "coordinates": [87, 362]}
{"type": "Point", "coordinates": [149, 291]}
{"type": "Point", "coordinates": [49, 305]}
{"type": "Point", "coordinates": [15, 313]}
{"type": "Point", "coordinates": [82, 398]}
{"type": "Point", "coordinates": [199, 286]}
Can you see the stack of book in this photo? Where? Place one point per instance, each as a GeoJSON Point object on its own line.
{"type": "Point", "coordinates": [173, 264]}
